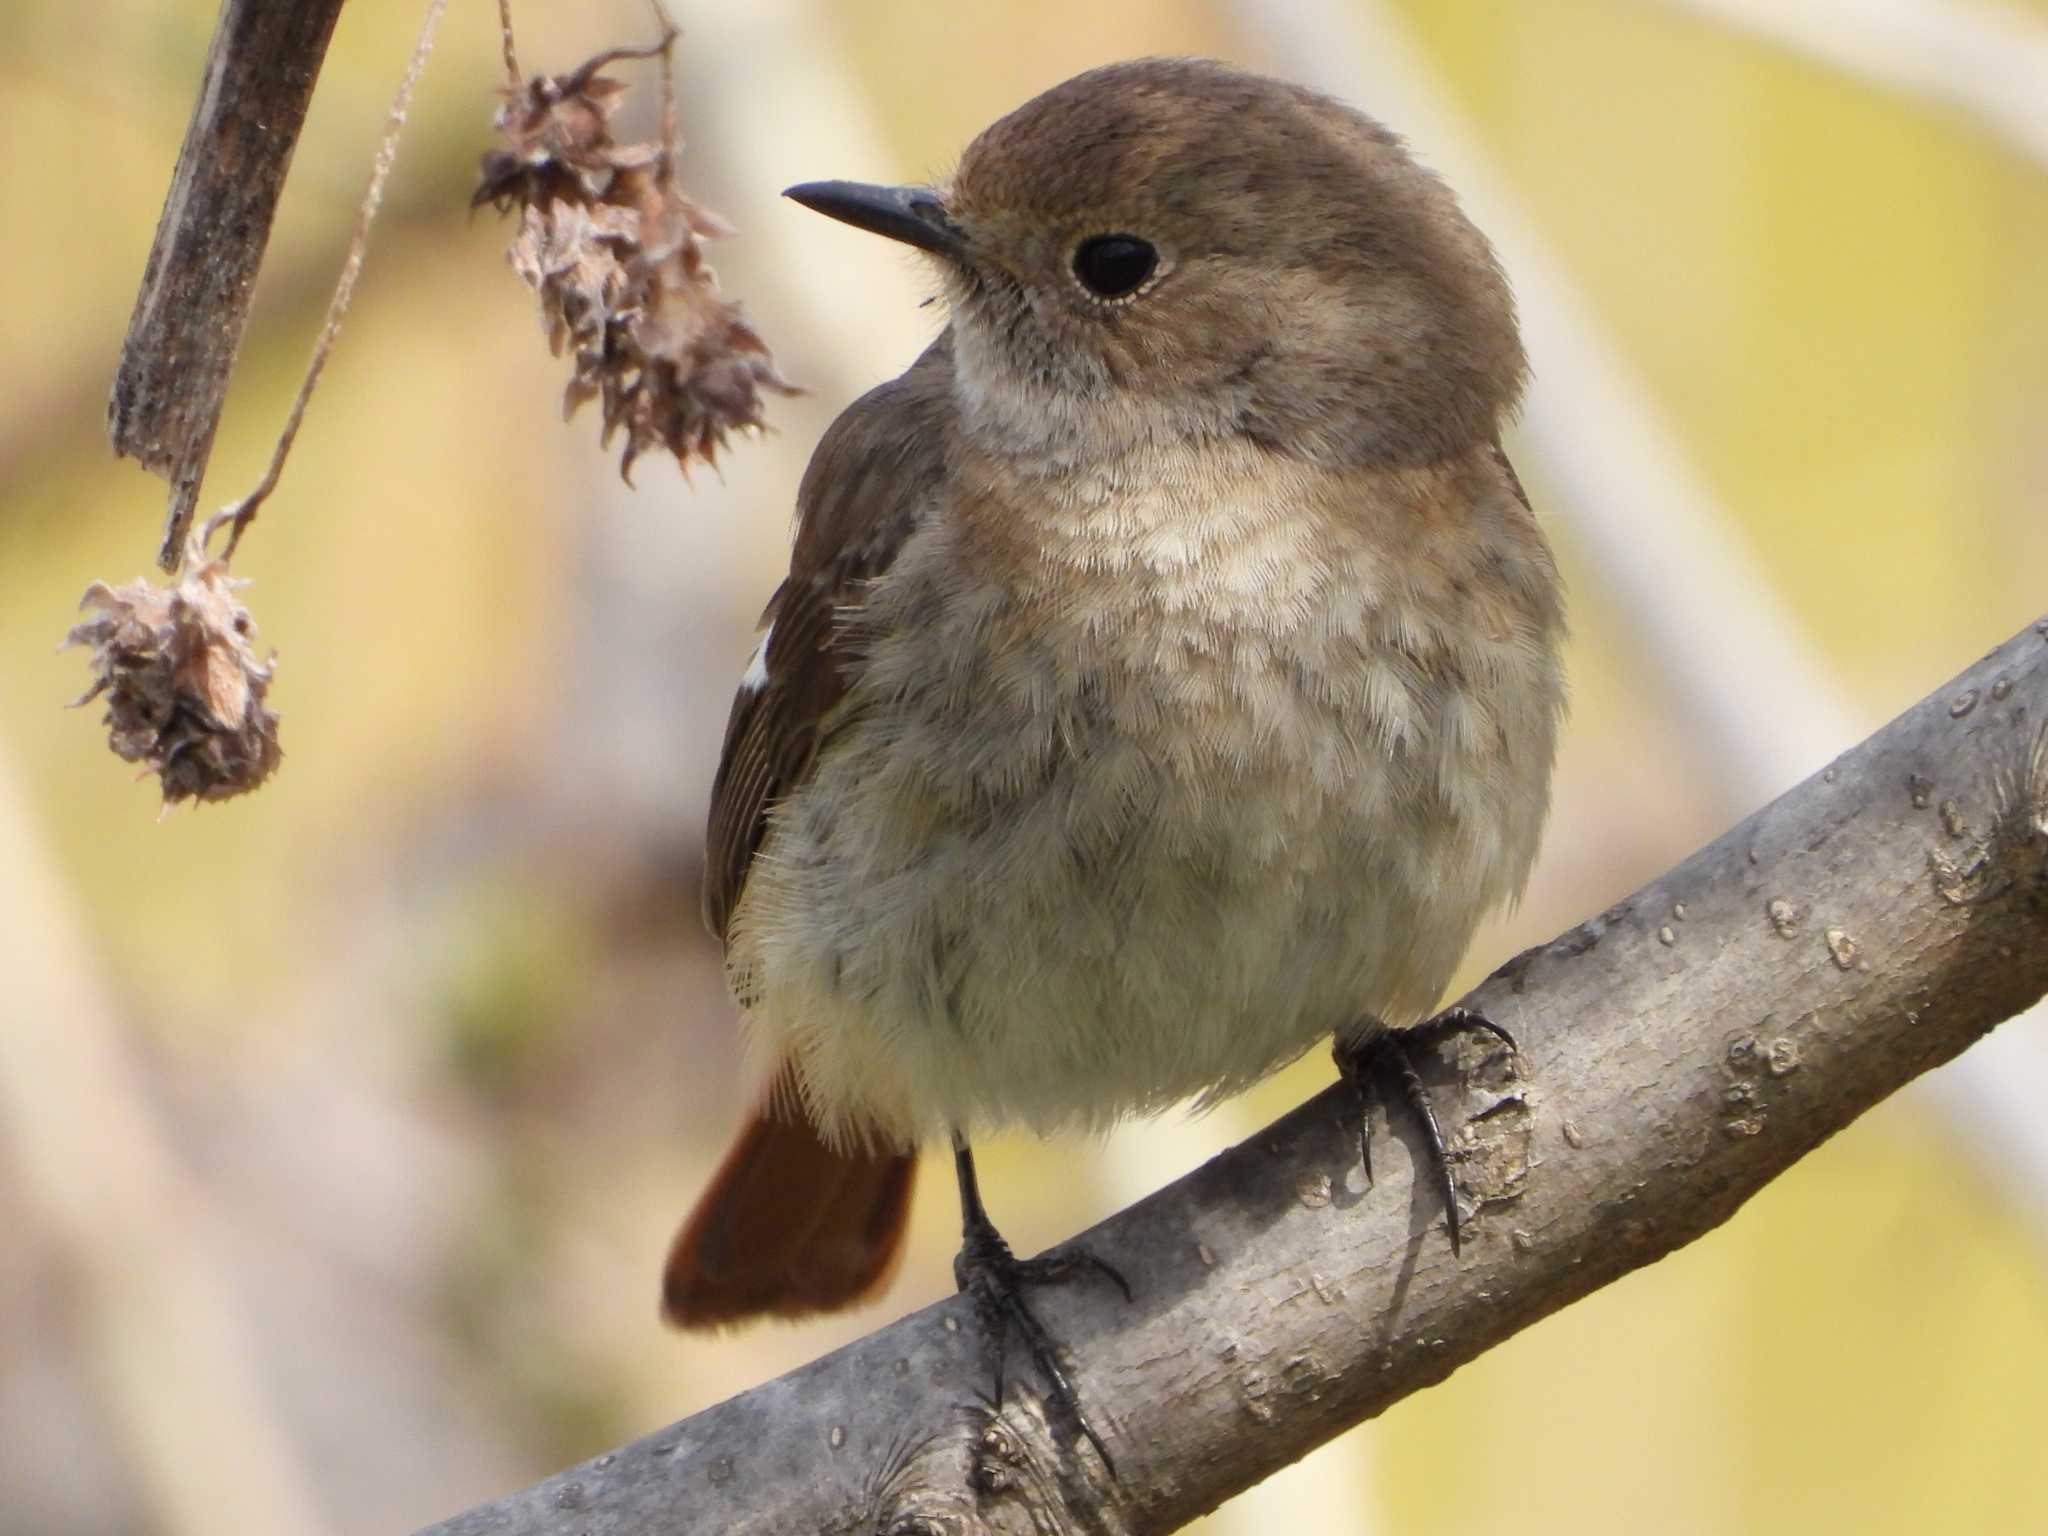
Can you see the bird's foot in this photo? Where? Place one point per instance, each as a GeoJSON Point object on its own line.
{"type": "Point", "coordinates": [995, 1278]}
{"type": "Point", "coordinates": [1381, 1066]}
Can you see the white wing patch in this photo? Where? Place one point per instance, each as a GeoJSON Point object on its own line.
{"type": "Point", "coordinates": [755, 678]}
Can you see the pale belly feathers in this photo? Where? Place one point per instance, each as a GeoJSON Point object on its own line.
{"type": "Point", "coordinates": [1150, 820]}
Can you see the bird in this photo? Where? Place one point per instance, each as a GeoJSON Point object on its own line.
{"type": "Point", "coordinates": [1167, 678]}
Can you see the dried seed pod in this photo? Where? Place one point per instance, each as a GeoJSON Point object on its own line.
{"type": "Point", "coordinates": [613, 249]}
{"type": "Point", "coordinates": [559, 138]}
{"type": "Point", "coordinates": [184, 688]}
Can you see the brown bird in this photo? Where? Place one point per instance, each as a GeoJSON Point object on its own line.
{"type": "Point", "coordinates": [1167, 675]}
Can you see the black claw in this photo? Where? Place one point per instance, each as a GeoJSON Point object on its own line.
{"type": "Point", "coordinates": [1383, 1060]}
{"type": "Point", "coordinates": [1076, 1261]}
{"type": "Point", "coordinates": [995, 1278]}
{"type": "Point", "coordinates": [1465, 1018]}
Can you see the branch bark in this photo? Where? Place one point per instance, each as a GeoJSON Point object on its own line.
{"type": "Point", "coordinates": [194, 299]}
{"type": "Point", "coordinates": [1677, 1052]}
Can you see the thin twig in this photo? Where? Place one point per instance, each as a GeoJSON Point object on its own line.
{"type": "Point", "coordinates": [671, 128]}
{"type": "Point", "coordinates": [513, 77]}
{"type": "Point", "coordinates": [242, 513]}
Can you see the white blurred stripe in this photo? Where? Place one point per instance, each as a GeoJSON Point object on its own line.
{"type": "Point", "coordinates": [1711, 623]}
{"type": "Point", "coordinates": [175, 1365]}
{"type": "Point", "coordinates": [1984, 58]}
{"type": "Point", "coordinates": [1991, 1100]}
{"type": "Point", "coordinates": [1766, 708]}
{"type": "Point", "coordinates": [786, 112]}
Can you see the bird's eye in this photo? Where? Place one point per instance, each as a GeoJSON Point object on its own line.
{"type": "Point", "coordinates": [1111, 266]}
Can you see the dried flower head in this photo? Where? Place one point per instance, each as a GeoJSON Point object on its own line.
{"type": "Point", "coordinates": [614, 250]}
{"type": "Point", "coordinates": [183, 686]}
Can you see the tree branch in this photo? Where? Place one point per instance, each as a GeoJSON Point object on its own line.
{"type": "Point", "coordinates": [1678, 1052]}
{"type": "Point", "coordinates": [194, 299]}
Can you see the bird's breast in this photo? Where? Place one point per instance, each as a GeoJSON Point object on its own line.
{"type": "Point", "coordinates": [1144, 787]}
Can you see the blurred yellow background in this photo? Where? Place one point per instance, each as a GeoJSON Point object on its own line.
{"type": "Point", "coordinates": [343, 1129]}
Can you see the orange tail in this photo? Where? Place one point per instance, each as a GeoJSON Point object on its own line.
{"type": "Point", "coordinates": [789, 1226]}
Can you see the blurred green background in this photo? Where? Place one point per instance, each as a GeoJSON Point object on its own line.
{"type": "Point", "coordinates": [343, 1129]}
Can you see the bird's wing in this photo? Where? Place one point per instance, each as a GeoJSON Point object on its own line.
{"type": "Point", "coordinates": [875, 473]}
{"type": "Point", "coordinates": [1500, 457]}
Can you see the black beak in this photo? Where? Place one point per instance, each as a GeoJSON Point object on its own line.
{"type": "Point", "coordinates": [913, 215]}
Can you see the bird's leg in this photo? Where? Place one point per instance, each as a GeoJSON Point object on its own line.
{"type": "Point", "coordinates": [995, 1278]}
{"type": "Point", "coordinates": [1379, 1065]}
